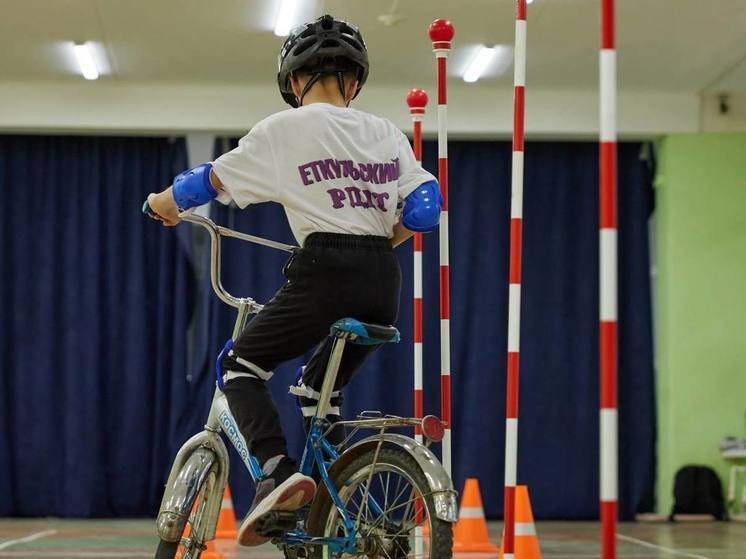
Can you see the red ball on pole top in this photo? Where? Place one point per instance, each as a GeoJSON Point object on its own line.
{"type": "Point", "coordinates": [441, 33]}
{"type": "Point", "coordinates": [417, 98]}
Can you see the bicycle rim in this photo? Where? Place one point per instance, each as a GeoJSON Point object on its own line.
{"type": "Point", "coordinates": [192, 542]}
{"type": "Point", "coordinates": [386, 505]}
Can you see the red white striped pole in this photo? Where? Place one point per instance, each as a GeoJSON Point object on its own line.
{"type": "Point", "coordinates": [441, 33]}
{"type": "Point", "coordinates": [608, 282]}
{"type": "Point", "coordinates": [514, 282]}
{"type": "Point", "coordinates": [417, 101]}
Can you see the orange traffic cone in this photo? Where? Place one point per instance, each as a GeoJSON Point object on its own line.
{"type": "Point", "coordinates": [526, 541]}
{"type": "Point", "coordinates": [227, 520]}
{"type": "Point", "coordinates": [470, 533]}
{"type": "Point", "coordinates": [210, 552]}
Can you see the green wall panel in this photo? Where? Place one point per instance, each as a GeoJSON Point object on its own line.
{"type": "Point", "coordinates": [700, 300]}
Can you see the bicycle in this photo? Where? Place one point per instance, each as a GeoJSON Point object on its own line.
{"type": "Point", "coordinates": [385, 495]}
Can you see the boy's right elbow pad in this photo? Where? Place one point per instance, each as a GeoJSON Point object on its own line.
{"type": "Point", "coordinates": [422, 208]}
{"type": "Point", "coordinates": [193, 187]}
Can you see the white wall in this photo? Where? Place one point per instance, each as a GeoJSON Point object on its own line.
{"type": "Point", "coordinates": [474, 111]}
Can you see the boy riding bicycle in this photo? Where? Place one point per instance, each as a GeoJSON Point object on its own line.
{"type": "Point", "coordinates": [341, 175]}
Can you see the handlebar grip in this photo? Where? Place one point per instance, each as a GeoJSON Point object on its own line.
{"type": "Point", "coordinates": [146, 209]}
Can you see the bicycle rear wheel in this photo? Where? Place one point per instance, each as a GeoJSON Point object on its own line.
{"type": "Point", "coordinates": [388, 498]}
{"type": "Point", "coordinates": [191, 543]}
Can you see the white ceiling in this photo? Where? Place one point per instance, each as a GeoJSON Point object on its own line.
{"type": "Point", "coordinates": [664, 45]}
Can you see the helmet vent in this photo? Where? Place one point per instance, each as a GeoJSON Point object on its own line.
{"type": "Point", "coordinates": [352, 42]}
{"type": "Point", "coordinates": [303, 47]}
{"type": "Point", "coordinates": [329, 43]}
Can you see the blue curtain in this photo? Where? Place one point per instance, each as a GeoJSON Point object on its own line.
{"type": "Point", "coordinates": [558, 456]}
{"type": "Point", "coordinates": [95, 308]}
{"type": "Point", "coordinates": [99, 387]}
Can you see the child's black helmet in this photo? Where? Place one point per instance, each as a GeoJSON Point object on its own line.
{"type": "Point", "coordinates": [320, 47]}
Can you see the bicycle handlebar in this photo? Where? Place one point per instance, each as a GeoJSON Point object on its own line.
{"type": "Point", "coordinates": [217, 231]}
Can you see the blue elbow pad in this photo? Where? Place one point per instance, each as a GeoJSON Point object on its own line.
{"type": "Point", "coordinates": [193, 188]}
{"type": "Point", "coordinates": [422, 208]}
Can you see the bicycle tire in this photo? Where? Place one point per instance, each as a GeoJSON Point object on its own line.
{"type": "Point", "coordinates": [168, 550]}
{"type": "Point", "coordinates": [441, 532]}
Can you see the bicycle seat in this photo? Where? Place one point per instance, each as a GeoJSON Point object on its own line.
{"type": "Point", "coordinates": [362, 333]}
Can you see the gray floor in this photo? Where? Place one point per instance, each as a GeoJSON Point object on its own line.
{"type": "Point", "coordinates": [102, 539]}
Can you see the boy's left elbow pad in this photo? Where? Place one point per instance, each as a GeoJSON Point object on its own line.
{"type": "Point", "coordinates": [193, 187]}
{"type": "Point", "coordinates": [422, 208]}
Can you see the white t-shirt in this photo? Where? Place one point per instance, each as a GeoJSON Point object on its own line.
{"type": "Point", "coordinates": [334, 169]}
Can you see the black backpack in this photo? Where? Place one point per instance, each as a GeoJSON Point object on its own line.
{"type": "Point", "coordinates": [697, 490]}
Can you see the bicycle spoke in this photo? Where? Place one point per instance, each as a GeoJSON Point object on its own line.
{"type": "Point", "coordinates": [396, 499]}
{"type": "Point", "coordinates": [387, 513]}
{"type": "Point", "coordinates": [404, 504]}
{"type": "Point", "coordinates": [386, 554]}
{"type": "Point", "coordinates": [398, 483]}
{"type": "Point", "coordinates": [412, 501]}
{"type": "Point", "coordinates": [385, 488]}
{"type": "Point", "coordinates": [364, 506]}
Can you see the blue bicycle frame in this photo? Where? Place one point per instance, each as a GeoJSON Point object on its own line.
{"type": "Point", "coordinates": [206, 453]}
{"type": "Point", "coordinates": [318, 451]}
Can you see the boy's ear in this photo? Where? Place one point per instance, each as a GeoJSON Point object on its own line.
{"type": "Point", "coordinates": [295, 85]}
{"type": "Point", "coordinates": [350, 90]}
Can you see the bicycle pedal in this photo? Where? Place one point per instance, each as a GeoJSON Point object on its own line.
{"type": "Point", "coordinates": [276, 523]}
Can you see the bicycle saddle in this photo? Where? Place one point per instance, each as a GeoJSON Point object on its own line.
{"type": "Point", "coordinates": [362, 333]}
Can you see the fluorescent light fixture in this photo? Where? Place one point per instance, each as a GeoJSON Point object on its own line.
{"type": "Point", "coordinates": [286, 14]}
{"type": "Point", "coordinates": [85, 61]}
{"type": "Point", "coordinates": [479, 63]}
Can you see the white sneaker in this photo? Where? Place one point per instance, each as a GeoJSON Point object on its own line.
{"type": "Point", "coordinates": [292, 494]}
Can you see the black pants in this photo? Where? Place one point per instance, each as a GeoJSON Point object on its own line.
{"type": "Point", "coordinates": [333, 276]}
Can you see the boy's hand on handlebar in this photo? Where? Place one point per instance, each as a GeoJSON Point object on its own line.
{"type": "Point", "coordinates": [164, 207]}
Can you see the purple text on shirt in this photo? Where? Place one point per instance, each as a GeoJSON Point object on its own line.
{"type": "Point", "coordinates": [327, 169]}
{"type": "Point", "coordinates": [358, 198]}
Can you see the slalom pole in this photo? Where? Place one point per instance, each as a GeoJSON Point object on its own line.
{"type": "Point", "coordinates": [514, 282]}
{"type": "Point", "coordinates": [608, 283]}
{"type": "Point", "coordinates": [417, 101]}
{"type": "Point", "coordinates": [441, 33]}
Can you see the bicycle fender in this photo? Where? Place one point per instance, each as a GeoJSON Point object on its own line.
{"type": "Point", "coordinates": [441, 486]}
{"type": "Point", "coordinates": [190, 468]}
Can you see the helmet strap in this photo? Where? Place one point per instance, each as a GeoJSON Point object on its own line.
{"type": "Point", "coordinates": [309, 84]}
{"type": "Point", "coordinates": [341, 82]}
{"type": "Point", "coordinates": [316, 77]}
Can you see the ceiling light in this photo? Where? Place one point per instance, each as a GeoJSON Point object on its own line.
{"type": "Point", "coordinates": [285, 17]}
{"type": "Point", "coordinates": [479, 63]}
{"type": "Point", "coordinates": [85, 61]}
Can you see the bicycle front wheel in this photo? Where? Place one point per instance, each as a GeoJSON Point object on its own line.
{"type": "Point", "coordinates": [191, 543]}
{"type": "Point", "coordinates": [387, 496]}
